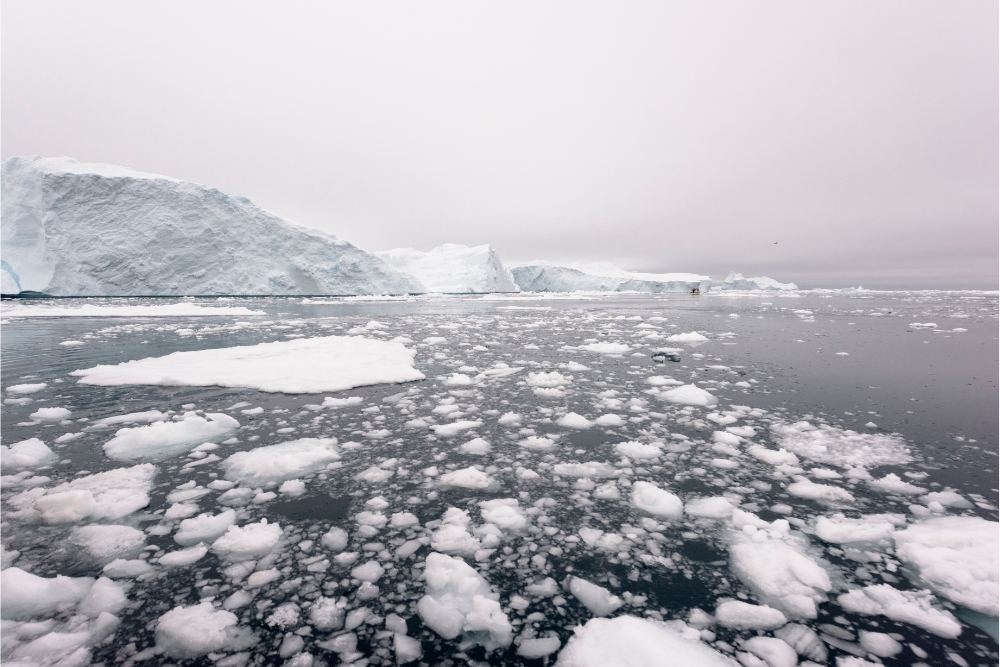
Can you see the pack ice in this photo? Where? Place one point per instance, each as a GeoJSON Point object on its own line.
{"type": "Point", "coordinates": [453, 268]}
{"type": "Point", "coordinates": [541, 276]}
{"type": "Point", "coordinates": [736, 281]}
{"type": "Point", "coordinates": [163, 236]}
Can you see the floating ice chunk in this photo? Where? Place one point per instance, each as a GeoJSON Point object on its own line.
{"type": "Point", "coordinates": [459, 600]}
{"type": "Point", "coordinates": [435, 340]}
{"type": "Point", "coordinates": [576, 367]}
{"type": "Point", "coordinates": [537, 443]}
{"type": "Point", "coordinates": [26, 454]}
{"type": "Point", "coordinates": [293, 487]}
{"type": "Point", "coordinates": [947, 498]}
{"type": "Point", "coordinates": [775, 458]}
{"type": "Point", "coordinates": [301, 366]}
{"type": "Point", "coordinates": [466, 478]}
{"type": "Point", "coordinates": [183, 557]}
{"type": "Point", "coordinates": [335, 539]}
{"type": "Point", "coordinates": [610, 419]}
{"type": "Point", "coordinates": [638, 451]}
{"type": "Point", "coordinates": [650, 498]}
{"type": "Point", "coordinates": [370, 572]}
{"type": "Point", "coordinates": [805, 642]}
{"type": "Point", "coordinates": [107, 543]}
{"type": "Point", "coordinates": [251, 541]}
{"type": "Point", "coordinates": [374, 475]}
{"type": "Point", "coordinates": [407, 649]}
{"type": "Point", "coordinates": [689, 337]}
{"type": "Point", "coordinates": [553, 379]}
{"type": "Point", "coordinates": [263, 578]}
{"type": "Point", "coordinates": [742, 431]}
{"type": "Point", "coordinates": [126, 569]}
{"type": "Point", "coordinates": [914, 607]}
{"type": "Point", "coordinates": [773, 651]}
{"type": "Point", "coordinates": [204, 528]}
{"type": "Point", "coordinates": [331, 402]}
{"type": "Point", "coordinates": [838, 529]}
{"type": "Point", "coordinates": [660, 381]}
{"type": "Point", "coordinates": [779, 572]}
{"type": "Point", "coordinates": [509, 419]}
{"type": "Point", "coordinates": [834, 446]}
{"type": "Point", "coordinates": [476, 447]}
{"type": "Point", "coordinates": [457, 380]}
{"type": "Point", "coordinates": [104, 597]}
{"type": "Point", "coordinates": [50, 414]}
{"type": "Point", "coordinates": [597, 599]}
{"type": "Point", "coordinates": [716, 507]}
{"type": "Point", "coordinates": [745, 616]}
{"type": "Point", "coordinates": [629, 641]}
{"type": "Point", "coordinates": [503, 513]}
{"type": "Point", "coordinates": [726, 438]}
{"type": "Point", "coordinates": [879, 643]}
{"type": "Point", "coordinates": [273, 464]}
{"type": "Point", "coordinates": [404, 520]}
{"type": "Point", "coordinates": [725, 464]}
{"type": "Point", "coordinates": [892, 483]}
{"type": "Point", "coordinates": [190, 632]}
{"type": "Point", "coordinates": [539, 647]}
{"type": "Point", "coordinates": [573, 420]}
{"type": "Point", "coordinates": [605, 348]}
{"type": "Point", "coordinates": [108, 495]}
{"type": "Point", "coordinates": [804, 488]}
{"type": "Point", "coordinates": [27, 596]}
{"type": "Point", "coordinates": [162, 440]}
{"type": "Point", "coordinates": [689, 394]}
{"type": "Point", "coordinates": [589, 470]}
{"type": "Point", "coordinates": [546, 588]}
{"type": "Point", "coordinates": [956, 557]}
{"type": "Point", "coordinates": [454, 428]}
{"type": "Point", "coordinates": [26, 388]}
{"type": "Point", "coordinates": [146, 417]}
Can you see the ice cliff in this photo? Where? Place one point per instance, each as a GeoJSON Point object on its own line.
{"type": "Point", "coordinates": [453, 268]}
{"type": "Point", "coordinates": [736, 281]}
{"type": "Point", "coordinates": [542, 276]}
{"type": "Point", "coordinates": [73, 229]}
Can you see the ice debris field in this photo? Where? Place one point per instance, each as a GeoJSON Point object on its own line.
{"type": "Point", "coordinates": [487, 485]}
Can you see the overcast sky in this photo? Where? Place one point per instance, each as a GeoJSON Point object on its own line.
{"type": "Point", "coordinates": [860, 136]}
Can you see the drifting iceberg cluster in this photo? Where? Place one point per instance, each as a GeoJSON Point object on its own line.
{"type": "Point", "coordinates": [540, 276]}
{"type": "Point", "coordinates": [736, 281]}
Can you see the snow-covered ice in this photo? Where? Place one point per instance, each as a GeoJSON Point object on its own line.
{"type": "Point", "coordinates": [303, 366]}
{"type": "Point", "coordinates": [270, 465]}
{"type": "Point", "coordinates": [165, 439]}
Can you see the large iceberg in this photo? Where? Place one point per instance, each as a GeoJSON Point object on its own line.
{"type": "Point", "coordinates": [73, 229]}
{"type": "Point", "coordinates": [736, 281]}
{"type": "Point", "coordinates": [454, 269]}
{"type": "Point", "coordinates": [542, 276]}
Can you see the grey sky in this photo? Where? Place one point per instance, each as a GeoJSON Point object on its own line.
{"type": "Point", "coordinates": [666, 136]}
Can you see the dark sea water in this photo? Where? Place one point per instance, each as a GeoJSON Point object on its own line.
{"type": "Point", "coordinates": [935, 387]}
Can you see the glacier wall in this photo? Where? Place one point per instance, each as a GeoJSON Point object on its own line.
{"type": "Point", "coordinates": [542, 276]}
{"type": "Point", "coordinates": [73, 229]}
{"type": "Point", "coordinates": [736, 281]}
{"type": "Point", "coordinates": [454, 269]}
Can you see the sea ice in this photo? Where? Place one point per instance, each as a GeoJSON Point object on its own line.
{"type": "Point", "coordinates": [190, 632]}
{"type": "Point", "coordinates": [597, 599]}
{"type": "Point", "coordinates": [839, 529]}
{"type": "Point", "coordinates": [715, 507]}
{"type": "Point", "coordinates": [248, 542]}
{"type": "Point", "coordinates": [107, 495]}
{"type": "Point", "coordinates": [573, 420]}
{"type": "Point", "coordinates": [164, 439]}
{"type": "Point", "coordinates": [650, 498]}
{"type": "Point", "coordinates": [688, 394]}
{"type": "Point", "coordinates": [466, 478]}
{"type": "Point", "coordinates": [27, 596]}
{"type": "Point", "coordinates": [638, 451]}
{"type": "Point", "coordinates": [844, 448]}
{"type": "Point", "coordinates": [108, 542]}
{"type": "Point", "coordinates": [745, 616]}
{"type": "Point", "coordinates": [459, 601]}
{"type": "Point", "coordinates": [300, 366]}
{"type": "Point", "coordinates": [273, 464]}
{"type": "Point", "coordinates": [50, 414]}
{"type": "Point", "coordinates": [30, 453]}
{"type": "Point", "coordinates": [630, 641]}
{"type": "Point", "coordinates": [916, 607]}
{"type": "Point", "coordinates": [156, 310]}
{"type": "Point", "coordinates": [204, 528]}
{"type": "Point", "coordinates": [956, 557]}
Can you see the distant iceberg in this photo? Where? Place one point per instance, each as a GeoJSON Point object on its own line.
{"type": "Point", "coordinates": [736, 281]}
{"type": "Point", "coordinates": [73, 229]}
{"type": "Point", "coordinates": [454, 269]}
{"type": "Point", "coordinates": [540, 276]}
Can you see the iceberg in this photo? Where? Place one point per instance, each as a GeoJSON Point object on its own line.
{"type": "Point", "coordinates": [736, 281]}
{"type": "Point", "coordinates": [163, 236]}
{"type": "Point", "coordinates": [454, 269]}
{"type": "Point", "coordinates": [540, 276]}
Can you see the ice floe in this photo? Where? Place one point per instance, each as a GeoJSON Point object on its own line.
{"type": "Point", "coordinates": [164, 439]}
